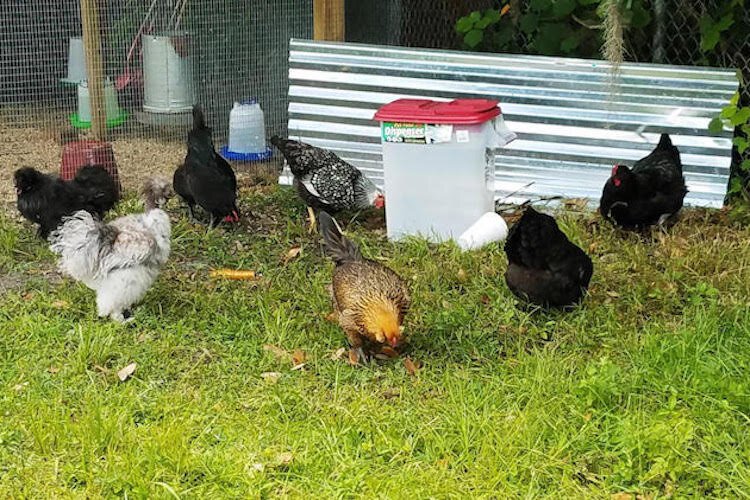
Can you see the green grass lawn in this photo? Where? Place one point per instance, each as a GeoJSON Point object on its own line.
{"type": "Point", "coordinates": [644, 389]}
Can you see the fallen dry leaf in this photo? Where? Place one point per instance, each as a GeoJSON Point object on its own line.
{"type": "Point", "coordinates": [353, 357]}
{"type": "Point", "coordinates": [126, 372]}
{"type": "Point", "coordinates": [284, 459]}
{"type": "Point", "coordinates": [60, 304]}
{"type": "Point", "coordinates": [411, 366]}
{"type": "Point", "coordinates": [485, 299]}
{"type": "Point", "coordinates": [293, 253]}
{"type": "Point", "coordinates": [338, 353]}
{"type": "Point", "coordinates": [299, 366]}
{"type": "Point", "coordinates": [614, 295]}
{"type": "Point", "coordinates": [258, 467]}
{"type": "Point", "coordinates": [622, 496]}
{"type": "Point", "coordinates": [389, 351]}
{"type": "Point", "coordinates": [271, 377]}
{"type": "Point", "coordinates": [299, 357]}
{"type": "Point", "coordinates": [20, 387]}
{"type": "Point", "coordinates": [101, 369]}
{"type": "Point", "coordinates": [390, 393]}
{"type": "Point", "coordinates": [462, 276]}
{"type": "Point", "coordinates": [277, 351]}
{"type": "Point", "coordinates": [28, 296]}
{"type": "Point", "coordinates": [576, 203]}
{"type": "Point", "coordinates": [53, 369]}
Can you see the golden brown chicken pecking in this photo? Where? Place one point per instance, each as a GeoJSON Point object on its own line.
{"type": "Point", "coordinates": [369, 299]}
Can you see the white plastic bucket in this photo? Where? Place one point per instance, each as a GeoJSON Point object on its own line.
{"type": "Point", "coordinates": [439, 165]}
{"type": "Point", "coordinates": [168, 74]}
{"type": "Point", "coordinates": [84, 101]}
{"type": "Point", "coordinates": [247, 129]}
{"type": "Point", "coordinates": [76, 60]}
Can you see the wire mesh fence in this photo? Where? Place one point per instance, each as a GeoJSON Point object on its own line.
{"type": "Point", "coordinates": [231, 50]}
{"type": "Point", "coordinates": [235, 49]}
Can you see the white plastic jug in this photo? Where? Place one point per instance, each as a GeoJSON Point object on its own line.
{"type": "Point", "coordinates": [110, 101]}
{"type": "Point", "coordinates": [247, 128]}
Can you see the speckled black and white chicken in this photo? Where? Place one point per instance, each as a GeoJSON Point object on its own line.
{"type": "Point", "coordinates": [326, 182]}
{"type": "Point", "coordinates": [119, 260]}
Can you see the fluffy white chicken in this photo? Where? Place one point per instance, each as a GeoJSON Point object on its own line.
{"type": "Point", "coordinates": [119, 260]}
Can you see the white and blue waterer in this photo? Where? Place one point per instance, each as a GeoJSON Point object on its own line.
{"type": "Point", "coordinates": [247, 133]}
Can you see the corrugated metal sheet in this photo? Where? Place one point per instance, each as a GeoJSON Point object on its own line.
{"type": "Point", "coordinates": [573, 122]}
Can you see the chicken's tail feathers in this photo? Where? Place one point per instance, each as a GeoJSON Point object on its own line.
{"type": "Point", "coordinates": [80, 241]}
{"type": "Point", "coordinates": [199, 119]}
{"type": "Point", "coordinates": [665, 141]}
{"type": "Point", "coordinates": [338, 247]}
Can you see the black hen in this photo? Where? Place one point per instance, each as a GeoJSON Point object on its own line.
{"type": "Point", "coordinates": [45, 199]}
{"type": "Point", "coordinates": [206, 179]}
{"type": "Point", "coordinates": [651, 193]}
{"type": "Point", "coordinates": [326, 182]}
{"type": "Point", "coordinates": [544, 267]}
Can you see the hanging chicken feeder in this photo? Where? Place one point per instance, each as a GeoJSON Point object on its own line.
{"type": "Point", "coordinates": [76, 62]}
{"type": "Point", "coordinates": [82, 119]}
{"type": "Point", "coordinates": [168, 74]}
{"type": "Point", "coordinates": [247, 133]}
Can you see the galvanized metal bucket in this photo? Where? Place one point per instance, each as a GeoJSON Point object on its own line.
{"type": "Point", "coordinates": [168, 73]}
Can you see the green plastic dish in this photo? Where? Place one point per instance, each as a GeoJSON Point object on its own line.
{"type": "Point", "coordinates": [114, 122]}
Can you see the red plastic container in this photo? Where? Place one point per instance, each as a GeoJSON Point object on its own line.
{"type": "Point", "coordinates": [79, 154]}
{"type": "Point", "coordinates": [456, 112]}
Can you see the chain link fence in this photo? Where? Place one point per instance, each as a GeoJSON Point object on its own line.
{"type": "Point", "coordinates": [672, 38]}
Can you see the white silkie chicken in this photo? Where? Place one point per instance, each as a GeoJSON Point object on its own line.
{"type": "Point", "coordinates": [119, 260]}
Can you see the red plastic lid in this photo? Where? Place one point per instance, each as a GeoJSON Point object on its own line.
{"type": "Point", "coordinates": [458, 112]}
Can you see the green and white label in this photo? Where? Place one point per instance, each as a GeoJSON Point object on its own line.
{"type": "Point", "coordinates": [415, 133]}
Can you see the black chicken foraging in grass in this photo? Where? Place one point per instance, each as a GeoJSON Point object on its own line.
{"type": "Point", "coordinates": [650, 193]}
{"type": "Point", "coordinates": [544, 267]}
{"type": "Point", "coordinates": [45, 199]}
{"type": "Point", "coordinates": [206, 179]}
{"type": "Point", "coordinates": [326, 182]}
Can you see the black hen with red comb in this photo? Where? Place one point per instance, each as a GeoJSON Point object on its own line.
{"type": "Point", "coordinates": [544, 266]}
{"type": "Point", "coordinates": [650, 193]}
{"type": "Point", "coordinates": [206, 179]}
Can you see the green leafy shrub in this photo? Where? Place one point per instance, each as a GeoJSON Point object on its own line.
{"type": "Point", "coordinates": [550, 27]}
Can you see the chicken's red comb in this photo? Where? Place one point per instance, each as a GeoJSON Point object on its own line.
{"type": "Point", "coordinates": [233, 217]}
{"type": "Point", "coordinates": [614, 169]}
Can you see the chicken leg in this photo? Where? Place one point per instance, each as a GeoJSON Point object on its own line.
{"type": "Point", "coordinates": [191, 213]}
{"type": "Point", "coordinates": [313, 224]}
